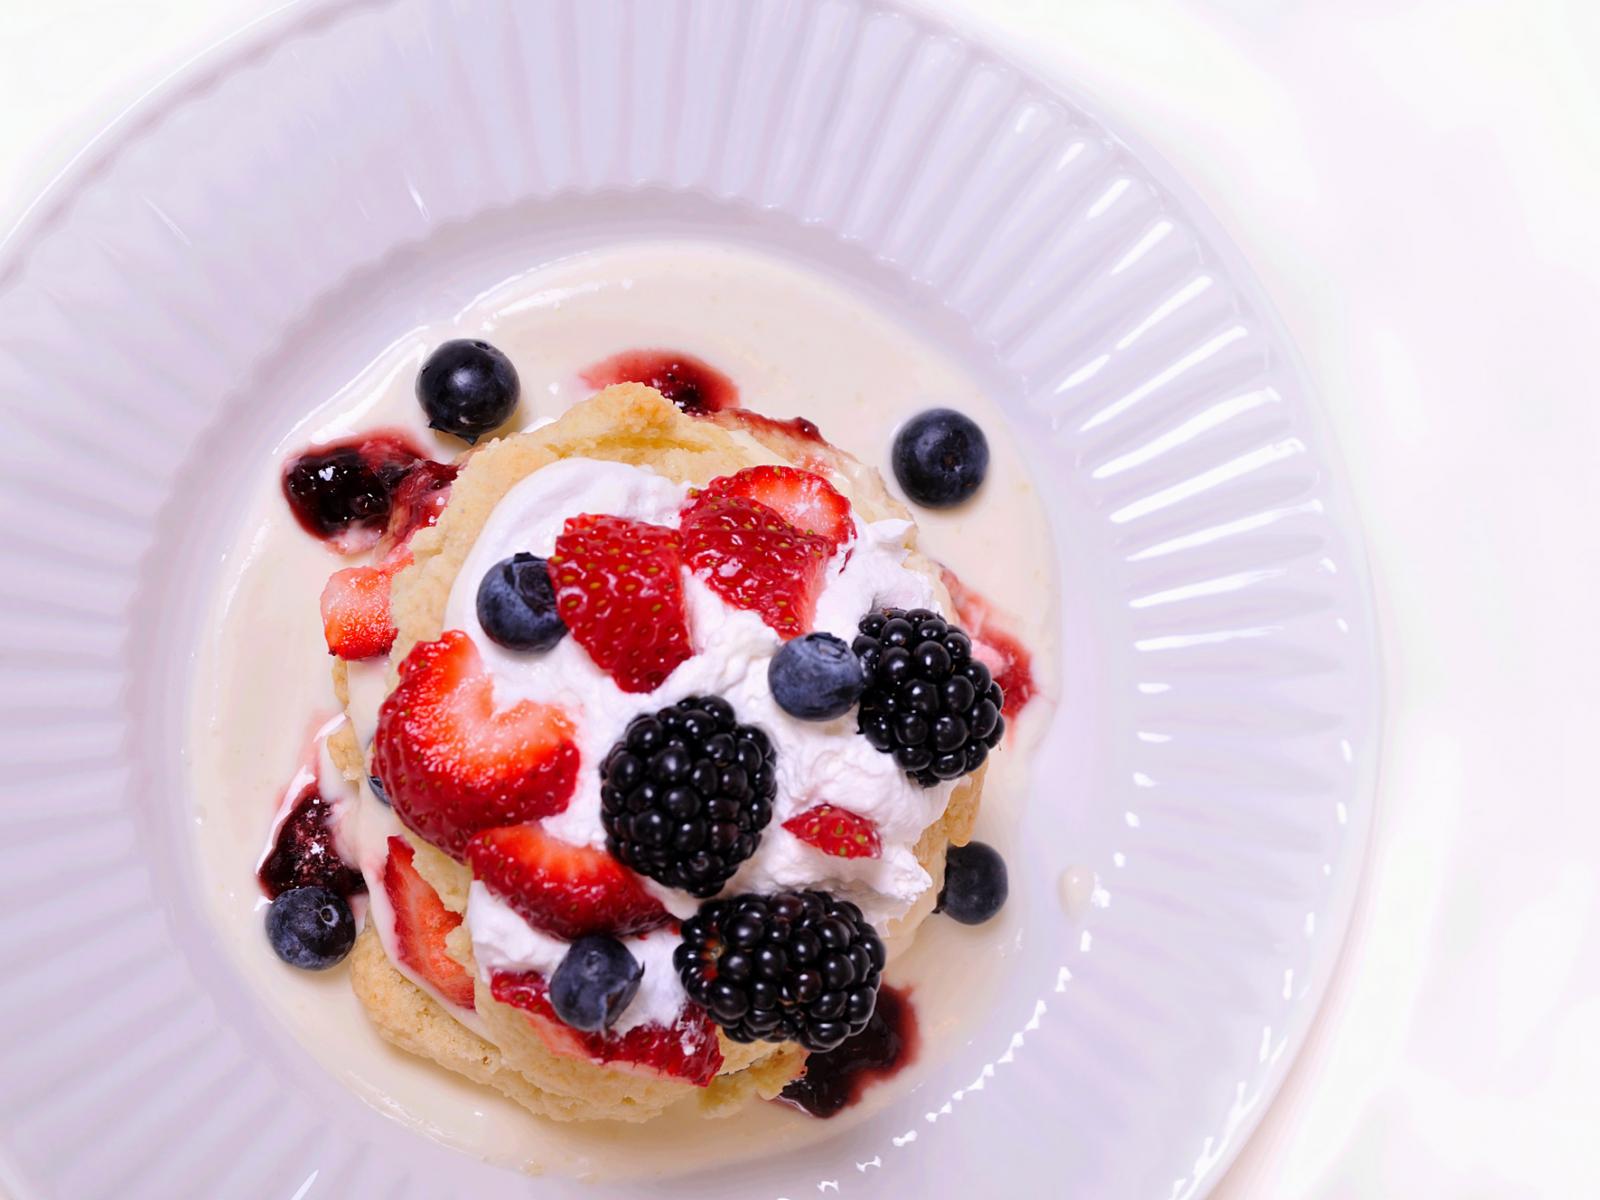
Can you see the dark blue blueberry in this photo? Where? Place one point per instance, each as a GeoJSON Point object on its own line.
{"type": "Point", "coordinates": [311, 928]}
{"type": "Point", "coordinates": [816, 677]}
{"type": "Point", "coordinates": [975, 886]}
{"type": "Point", "coordinates": [595, 981]}
{"type": "Point", "coordinates": [940, 457]}
{"type": "Point", "coordinates": [517, 604]}
{"type": "Point", "coordinates": [468, 388]}
{"type": "Point", "coordinates": [375, 783]}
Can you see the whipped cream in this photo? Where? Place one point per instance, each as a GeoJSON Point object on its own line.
{"type": "Point", "coordinates": [816, 762]}
{"type": "Point", "coordinates": [795, 342]}
{"type": "Point", "coordinates": [367, 685]}
{"type": "Point", "coordinates": [503, 941]}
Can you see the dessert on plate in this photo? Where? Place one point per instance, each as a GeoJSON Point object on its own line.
{"type": "Point", "coordinates": [660, 739]}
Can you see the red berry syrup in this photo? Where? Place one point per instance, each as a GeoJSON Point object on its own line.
{"type": "Point", "coordinates": [691, 383]}
{"type": "Point", "coordinates": [416, 503]}
{"type": "Point", "coordinates": [701, 390]}
{"type": "Point", "coordinates": [795, 427]}
{"type": "Point", "coordinates": [303, 854]}
{"type": "Point", "coordinates": [343, 493]}
{"type": "Point", "coordinates": [994, 645]}
{"type": "Point", "coordinates": [835, 1079]}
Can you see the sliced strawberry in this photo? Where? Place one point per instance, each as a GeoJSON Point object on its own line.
{"type": "Point", "coordinates": [417, 501]}
{"type": "Point", "coordinates": [803, 498]}
{"type": "Point", "coordinates": [994, 645]}
{"type": "Point", "coordinates": [565, 890]}
{"type": "Point", "coordinates": [619, 588]}
{"type": "Point", "coordinates": [837, 831]}
{"type": "Point", "coordinates": [355, 611]}
{"type": "Point", "coordinates": [421, 923]}
{"type": "Point", "coordinates": [452, 765]}
{"type": "Point", "coordinates": [754, 559]}
{"type": "Point", "coordinates": [686, 1050]}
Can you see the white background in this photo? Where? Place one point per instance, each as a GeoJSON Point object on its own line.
{"type": "Point", "coordinates": [1418, 184]}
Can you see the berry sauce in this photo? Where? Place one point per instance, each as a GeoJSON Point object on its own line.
{"type": "Point", "coordinates": [343, 493]}
{"type": "Point", "coordinates": [835, 1079]}
{"type": "Point", "coordinates": [416, 503]}
{"type": "Point", "coordinates": [796, 427]}
{"type": "Point", "coordinates": [304, 853]}
{"type": "Point", "coordinates": [692, 384]}
{"type": "Point", "coordinates": [1012, 668]}
{"type": "Point", "coordinates": [994, 645]}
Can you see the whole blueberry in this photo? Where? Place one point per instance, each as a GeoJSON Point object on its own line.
{"type": "Point", "coordinates": [975, 886]}
{"type": "Point", "coordinates": [311, 928]}
{"type": "Point", "coordinates": [517, 604]}
{"type": "Point", "coordinates": [595, 981]}
{"type": "Point", "coordinates": [816, 677]}
{"type": "Point", "coordinates": [940, 457]}
{"type": "Point", "coordinates": [468, 388]}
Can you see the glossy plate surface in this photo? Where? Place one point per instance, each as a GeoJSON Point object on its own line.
{"type": "Point", "coordinates": [1211, 759]}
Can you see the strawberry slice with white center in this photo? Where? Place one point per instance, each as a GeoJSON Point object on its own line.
{"type": "Point", "coordinates": [686, 1050]}
{"type": "Point", "coordinates": [355, 610]}
{"type": "Point", "coordinates": [837, 831]}
{"type": "Point", "coordinates": [452, 764]}
{"type": "Point", "coordinates": [803, 498]}
{"type": "Point", "coordinates": [566, 890]}
{"type": "Point", "coordinates": [619, 588]}
{"type": "Point", "coordinates": [754, 559]}
{"type": "Point", "coordinates": [421, 924]}
{"type": "Point", "coordinates": [355, 603]}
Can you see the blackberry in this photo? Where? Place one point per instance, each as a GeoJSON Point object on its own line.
{"type": "Point", "coordinates": [795, 967]}
{"type": "Point", "coordinates": [928, 701]}
{"type": "Point", "coordinates": [685, 794]}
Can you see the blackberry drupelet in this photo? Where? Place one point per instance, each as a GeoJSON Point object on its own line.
{"type": "Point", "coordinates": [928, 701]}
{"type": "Point", "coordinates": [798, 966]}
{"type": "Point", "coordinates": [685, 794]}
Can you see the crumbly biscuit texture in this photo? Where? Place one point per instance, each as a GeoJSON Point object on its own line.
{"type": "Point", "coordinates": [626, 423]}
{"type": "Point", "coordinates": [561, 1089]}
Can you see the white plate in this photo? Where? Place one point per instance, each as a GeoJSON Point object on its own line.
{"type": "Point", "coordinates": [1211, 758]}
